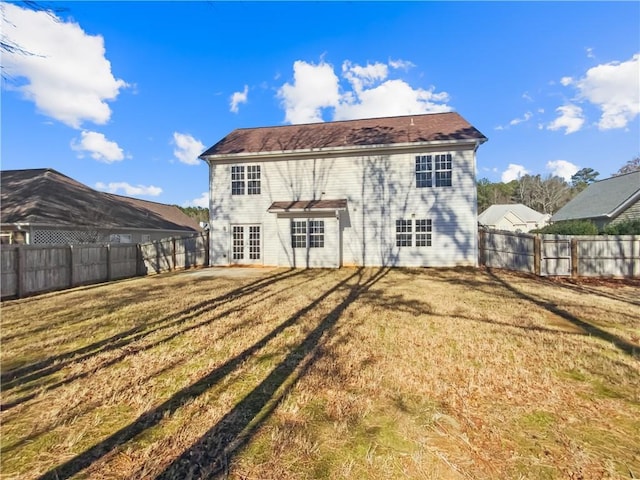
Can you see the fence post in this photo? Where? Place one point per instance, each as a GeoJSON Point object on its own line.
{"type": "Point", "coordinates": [20, 271]}
{"type": "Point", "coordinates": [481, 241]}
{"type": "Point", "coordinates": [173, 252]}
{"type": "Point", "coordinates": [71, 279]}
{"type": "Point", "coordinates": [574, 257]}
{"type": "Point", "coordinates": [109, 269]}
{"type": "Point", "coordinates": [537, 255]}
{"type": "Point", "coordinates": [207, 251]}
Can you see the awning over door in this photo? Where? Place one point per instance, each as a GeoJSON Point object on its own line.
{"type": "Point", "coordinates": [308, 206]}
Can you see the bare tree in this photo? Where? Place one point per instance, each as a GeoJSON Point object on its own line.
{"type": "Point", "coordinates": [632, 165]}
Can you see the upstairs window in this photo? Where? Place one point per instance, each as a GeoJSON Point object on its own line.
{"type": "Point", "coordinates": [245, 179]}
{"type": "Point", "coordinates": [237, 180]}
{"type": "Point", "coordinates": [443, 170]}
{"type": "Point", "coordinates": [430, 167]}
{"type": "Point", "coordinates": [424, 171]}
{"type": "Point", "coordinates": [253, 180]}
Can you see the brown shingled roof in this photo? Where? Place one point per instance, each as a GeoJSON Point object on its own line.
{"type": "Point", "coordinates": [370, 131]}
{"type": "Point", "coordinates": [44, 196]}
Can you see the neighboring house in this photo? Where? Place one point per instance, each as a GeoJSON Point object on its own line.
{"type": "Point", "coordinates": [512, 217]}
{"type": "Point", "coordinates": [605, 202]}
{"type": "Point", "coordinates": [43, 206]}
{"type": "Point", "coordinates": [396, 191]}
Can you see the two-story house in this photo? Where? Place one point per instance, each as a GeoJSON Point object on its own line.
{"type": "Point", "coordinates": [393, 191]}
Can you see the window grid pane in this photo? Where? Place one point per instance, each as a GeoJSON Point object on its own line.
{"type": "Point", "coordinates": [443, 170]}
{"type": "Point", "coordinates": [254, 242]}
{"type": "Point", "coordinates": [316, 233]}
{"type": "Point", "coordinates": [238, 243]}
{"type": "Point", "coordinates": [423, 171]}
{"type": "Point", "coordinates": [403, 233]}
{"type": "Point", "coordinates": [253, 180]}
{"type": "Point", "coordinates": [423, 233]}
{"type": "Point", "coordinates": [299, 234]}
{"type": "Point", "coordinates": [237, 180]}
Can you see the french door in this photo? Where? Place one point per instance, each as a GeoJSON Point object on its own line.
{"type": "Point", "coordinates": [246, 244]}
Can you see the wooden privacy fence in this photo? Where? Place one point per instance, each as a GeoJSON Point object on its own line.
{"type": "Point", "coordinates": [31, 269]}
{"type": "Point", "coordinates": [561, 255]}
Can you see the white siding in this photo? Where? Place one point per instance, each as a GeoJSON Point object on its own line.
{"type": "Point", "coordinates": [379, 190]}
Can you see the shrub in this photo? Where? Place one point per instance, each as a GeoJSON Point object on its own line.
{"type": "Point", "coordinates": [628, 227]}
{"type": "Point", "coordinates": [571, 227]}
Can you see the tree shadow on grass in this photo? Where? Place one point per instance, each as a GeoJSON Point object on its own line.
{"type": "Point", "coordinates": [52, 364]}
{"type": "Point", "coordinates": [211, 455]}
{"type": "Point", "coordinates": [623, 345]}
{"type": "Point", "coordinates": [132, 350]}
{"type": "Point", "coordinates": [235, 428]}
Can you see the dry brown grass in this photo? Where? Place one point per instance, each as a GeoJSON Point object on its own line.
{"type": "Point", "coordinates": [354, 373]}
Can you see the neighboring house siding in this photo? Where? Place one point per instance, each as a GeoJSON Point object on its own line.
{"type": "Point", "coordinates": [379, 190]}
{"type": "Point", "coordinates": [631, 213]}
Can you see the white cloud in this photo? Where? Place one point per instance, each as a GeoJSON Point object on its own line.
{"type": "Point", "coordinates": [524, 118]}
{"type": "Point", "coordinates": [66, 75]}
{"type": "Point", "coordinates": [562, 169]}
{"type": "Point", "coordinates": [393, 97]}
{"type": "Point", "coordinates": [570, 118]}
{"type": "Point", "coordinates": [239, 97]}
{"type": "Point", "coordinates": [98, 147]}
{"type": "Point", "coordinates": [314, 87]}
{"type": "Point", "coordinates": [201, 201]}
{"type": "Point", "coordinates": [360, 77]}
{"type": "Point", "coordinates": [401, 64]}
{"type": "Point", "coordinates": [367, 92]}
{"type": "Point", "coordinates": [590, 53]}
{"type": "Point", "coordinates": [129, 190]}
{"type": "Point", "coordinates": [187, 148]}
{"type": "Point", "coordinates": [565, 81]}
{"type": "Point", "coordinates": [615, 89]}
{"type": "Point", "coordinates": [513, 172]}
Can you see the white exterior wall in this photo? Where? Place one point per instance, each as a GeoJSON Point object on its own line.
{"type": "Point", "coordinates": [379, 190]}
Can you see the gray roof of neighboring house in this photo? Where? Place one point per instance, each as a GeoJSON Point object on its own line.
{"type": "Point", "coordinates": [364, 132]}
{"type": "Point", "coordinates": [46, 197]}
{"type": "Point", "coordinates": [494, 213]}
{"type": "Point", "coordinates": [604, 198]}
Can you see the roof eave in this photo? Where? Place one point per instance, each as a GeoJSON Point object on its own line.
{"type": "Point", "coordinates": [340, 151]}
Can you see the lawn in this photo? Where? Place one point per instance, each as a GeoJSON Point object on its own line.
{"type": "Point", "coordinates": [324, 374]}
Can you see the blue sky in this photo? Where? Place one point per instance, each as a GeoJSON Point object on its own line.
{"type": "Point", "coordinates": [123, 96]}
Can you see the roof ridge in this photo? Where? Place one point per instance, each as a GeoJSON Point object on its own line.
{"type": "Point", "coordinates": [328, 122]}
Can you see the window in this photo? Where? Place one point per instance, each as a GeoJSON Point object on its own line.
{"type": "Point", "coordinates": [316, 233]}
{"type": "Point", "coordinates": [253, 179]}
{"type": "Point", "coordinates": [313, 228]}
{"type": "Point", "coordinates": [120, 238]}
{"type": "Point", "coordinates": [248, 176]}
{"type": "Point", "coordinates": [409, 230]}
{"type": "Point", "coordinates": [403, 233]}
{"type": "Point", "coordinates": [423, 171]}
{"type": "Point", "coordinates": [237, 180]}
{"type": "Point", "coordinates": [427, 165]}
{"type": "Point", "coordinates": [443, 170]}
{"type": "Point", "coordinates": [237, 250]}
{"type": "Point", "coordinates": [299, 234]}
{"type": "Point", "coordinates": [254, 242]}
{"type": "Point", "coordinates": [423, 233]}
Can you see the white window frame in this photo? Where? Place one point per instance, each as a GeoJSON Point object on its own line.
{"type": "Point", "coordinates": [414, 233]}
{"type": "Point", "coordinates": [434, 170]}
{"type": "Point", "coordinates": [246, 180]}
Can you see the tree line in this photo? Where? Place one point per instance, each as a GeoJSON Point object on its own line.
{"type": "Point", "coordinates": [544, 194]}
